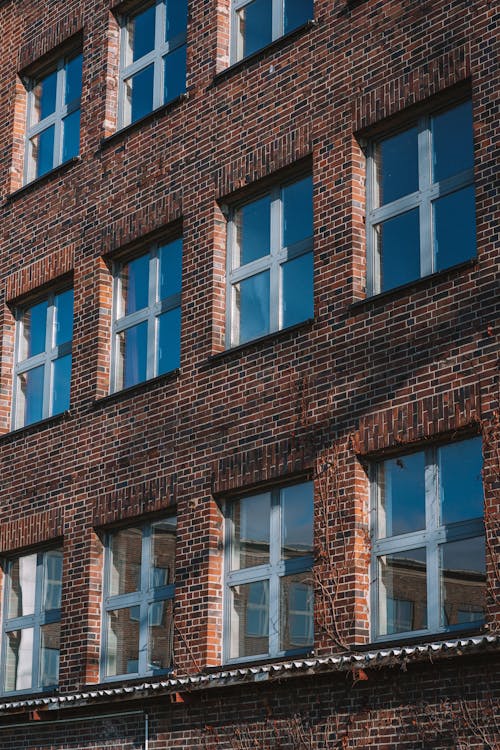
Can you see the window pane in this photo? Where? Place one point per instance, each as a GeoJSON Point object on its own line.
{"type": "Point", "coordinates": [64, 317]}
{"type": "Point", "coordinates": [252, 231]}
{"type": "Point", "coordinates": [139, 94]}
{"type": "Point", "coordinates": [250, 619]}
{"type": "Point", "coordinates": [34, 330]}
{"type": "Point", "coordinates": [297, 12]}
{"type": "Point", "coordinates": [176, 18]}
{"type": "Point", "coordinates": [169, 340]}
{"type": "Point", "coordinates": [19, 662]}
{"type": "Point", "coordinates": [22, 586]}
{"type": "Point", "coordinates": [141, 34]}
{"type": "Point", "coordinates": [132, 360]}
{"type": "Point", "coordinates": [52, 582]}
{"type": "Point", "coordinates": [297, 290]}
{"type": "Point", "coordinates": [453, 150]}
{"type": "Point", "coordinates": [30, 394]}
{"type": "Point", "coordinates": [397, 166]}
{"type": "Point", "coordinates": [399, 250]}
{"type": "Point", "coordinates": [252, 307]}
{"type": "Point", "coordinates": [42, 151]}
{"type": "Point", "coordinates": [297, 520]}
{"type": "Point", "coordinates": [170, 268]}
{"type": "Point", "coordinates": [122, 653]}
{"type": "Point", "coordinates": [253, 27]}
{"type": "Point", "coordinates": [73, 79]}
{"type": "Point", "coordinates": [71, 136]}
{"type": "Point", "coordinates": [296, 611]}
{"type": "Point", "coordinates": [49, 654]}
{"type": "Point", "coordinates": [61, 384]}
{"type": "Point", "coordinates": [461, 485]}
{"type": "Point", "coordinates": [175, 74]}
{"type": "Point", "coordinates": [297, 211]}
{"type": "Point", "coordinates": [463, 581]}
{"type": "Point", "coordinates": [403, 576]}
{"type": "Point", "coordinates": [160, 635]}
{"type": "Point", "coordinates": [251, 517]}
{"type": "Point", "coordinates": [401, 484]}
{"type": "Point", "coordinates": [163, 535]}
{"type": "Point", "coordinates": [125, 568]}
{"type": "Point", "coordinates": [455, 228]}
{"type": "Point", "coordinates": [44, 97]}
{"type": "Point", "coordinates": [134, 279]}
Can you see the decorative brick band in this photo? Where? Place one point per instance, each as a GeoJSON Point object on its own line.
{"type": "Point", "coordinates": [129, 502]}
{"type": "Point", "coordinates": [27, 531]}
{"type": "Point", "coordinates": [419, 420]}
{"type": "Point", "coordinates": [40, 272]}
{"type": "Point", "coordinates": [38, 43]}
{"type": "Point", "coordinates": [414, 86]}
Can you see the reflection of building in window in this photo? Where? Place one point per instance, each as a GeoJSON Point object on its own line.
{"type": "Point", "coordinates": [257, 606]}
{"type": "Point", "coordinates": [300, 609]}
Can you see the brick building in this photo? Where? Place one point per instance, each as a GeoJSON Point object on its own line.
{"type": "Point", "coordinates": [249, 374]}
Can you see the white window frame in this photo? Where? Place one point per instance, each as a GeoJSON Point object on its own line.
{"type": "Point", "coordinates": [422, 199]}
{"type": "Point", "coordinates": [155, 57]}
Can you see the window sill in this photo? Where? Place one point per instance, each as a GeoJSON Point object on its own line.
{"type": "Point", "coordinates": [269, 338]}
{"type": "Point", "coordinates": [35, 426]}
{"type": "Point", "coordinates": [144, 385]}
{"type": "Point", "coordinates": [256, 56]}
{"type": "Point", "coordinates": [408, 639]}
{"type": "Point", "coordinates": [400, 291]}
{"type": "Point", "coordinates": [157, 113]}
{"type": "Point", "coordinates": [250, 661]}
{"type": "Point", "coordinates": [47, 177]}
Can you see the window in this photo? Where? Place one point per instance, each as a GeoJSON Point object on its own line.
{"type": "Point", "coordinates": [153, 58]}
{"type": "Point", "coordinates": [256, 23]}
{"type": "Point", "coordinates": [269, 588]}
{"type": "Point", "coordinates": [270, 262]}
{"type": "Point", "coordinates": [428, 540]}
{"type": "Point", "coordinates": [420, 199]}
{"type": "Point", "coordinates": [139, 597]}
{"type": "Point", "coordinates": [147, 321]}
{"type": "Point", "coordinates": [43, 362]}
{"type": "Point", "coordinates": [53, 128]}
{"type": "Point", "coordinates": [32, 614]}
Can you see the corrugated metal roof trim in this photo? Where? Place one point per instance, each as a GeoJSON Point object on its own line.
{"type": "Point", "coordinates": [347, 662]}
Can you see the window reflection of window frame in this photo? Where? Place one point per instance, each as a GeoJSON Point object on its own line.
{"type": "Point", "coordinates": [300, 615]}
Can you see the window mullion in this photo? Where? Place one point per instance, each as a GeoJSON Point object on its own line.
{"type": "Point", "coordinates": [35, 675]}
{"type": "Point", "coordinates": [144, 605]}
{"type": "Point", "coordinates": [159, 69]}
{"type": "Point", "coordinates": [432, 522]}
{"type": "Point", "coordinates": [274, 581]}
{"type": "Point", "coordinates": [48, 368]}
{"type": "Point", "coordinates": [114, 334]}
{"type": "Point", "coordinates": [373, 267]}
{"type": "Point", "coordinates": [275, 301]}
{"type": "Point", "coordinates": [57, 156]}
{"type": "Point", "coordinates": [425, 208]}
{"type": "Point", "coordinates": [152, 354]}
{"type": "Point", "coordinates": [277, 20]}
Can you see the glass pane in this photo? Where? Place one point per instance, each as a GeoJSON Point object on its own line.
{"type": "Point", "coordinates": [134, 278]}
{"type": "Point", "coordinates": [122, 653]}
{"type": "Point", "coordinates": [170, 269]}
{"type": "Point", "coordinates": [397, 166]}
{"type": "Point", "coordinates": [71, 136]}
{"type": "Point", "coordinates": [175, 74]}
{"type": "Point", "coordinates": [250, 619]}
{"type": "Point", "coordinates": [461, 483]}
{"type": "Point", "coordinates": [44, 97]}
{"type": "Point", "coordinates": [73, 79]}
{"type": "Point", "coordinates": [132, 360]}
{"type": "Point", "coordinates": [34, 331]}
{"type": "Point", "coordinates": [61, 384]}
{"type": "Point", "coordinates": [30, 394]}
{"type": "Point", "coordinates": [42, 151]}
{"type": "Point", "coordinates": [254, 27]}
{"type": "Point", "coordinates": [297, 290]}
{"type": "Point", "coordinates": [401, 484]}
{"type": "Point", "coordinates": [22, 586]}
{"type": "Point", "coordinates": [251, 517]}
{"type": "Point", "coordinates": [64, 317]}
{"type": "Point", "coordinates": [454, 228]}
{"type": "Point", "coordinates": [49, 654]}
{"type": "Point", "coordinates": [296, 611]}
{"type": "Point", "coordinates": [453, 150]}
{"type": "Point", "coordinates": [463, 581]}
{"type": "Point", "coordinates": [297, 12]}
{"type": "Point", "coordinates": [18, 668]}
{"type": "Point", "coordinates": [399, 250]}
{"type": "Point", "coordinates": [160, 635]}
{"type": "Point", "coordinates": [141, 34]}
{"type": "Point", "coordinates": [297, 211]}
{"type": "Point", "coordinates": [176, 18]}
{"type": "Point", "coordinates": [169, 340]}
{"type": "Point", "coordinates": [252, 307]}
{"type": "Point", "coordinates": [252, 231]}
{"type": "Point", "coordinates": [125, 566]}
{"type": "Point", "coordinates": [52, 582]}
{"type": "Point", "coordinates": [402, 578]}
{"type": "Point", "coordinates": [297, 520]}
{"type": "Point", "coordinates": [163, 535]}
{"type": "Point", "coordinates": [139, 94]}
